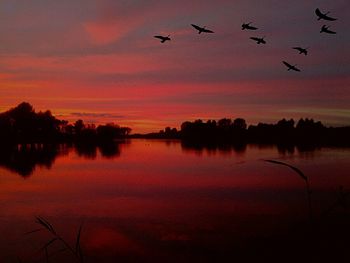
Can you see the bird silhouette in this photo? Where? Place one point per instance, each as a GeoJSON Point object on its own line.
{"type": "Point", "coordinates": [202, 29]}
{"type": "Point", "coordinates": [326, 30]}
{"type": "Point", "coordinates": [163, 39]}
{"type": "Point", "coordinates": [291, 67]}
{"type": "Point", "coordinates": [248, 26]}
{"type": "Point", "coordinates": [301, 50]}
{"type": "Point", "coordinates": [323, 16]}
{"type": "Point", "coordinates": [259, 40]}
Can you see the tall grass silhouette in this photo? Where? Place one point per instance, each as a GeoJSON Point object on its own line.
{"type": "Point", "coordinates": [302, 175]}
{"type": "Point", "coordinates": [75, 250]}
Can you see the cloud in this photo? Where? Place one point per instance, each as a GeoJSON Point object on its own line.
{"type": "Point", "coordinates": [102, 33]}
{"type": "Point", "coordinates": [96, 115]}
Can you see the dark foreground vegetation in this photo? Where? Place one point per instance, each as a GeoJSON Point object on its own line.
{"type": "Point", "coordinates": [284, 132]}
{"type": "Point", "coordinates": [23, 125]}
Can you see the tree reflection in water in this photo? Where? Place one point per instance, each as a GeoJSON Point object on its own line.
{"type": "Point", "coordinates": [23, 159]}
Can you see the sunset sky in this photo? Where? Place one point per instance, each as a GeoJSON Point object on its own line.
{"type": "Point", "coordinates": [97, 60]}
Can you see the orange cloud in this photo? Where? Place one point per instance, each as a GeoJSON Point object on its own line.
{"type": "Point", "coordinates": [105, 33]}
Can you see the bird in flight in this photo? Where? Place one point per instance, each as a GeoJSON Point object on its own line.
{"type": "Point", "coordinates": [291, 67]}
{"type": "Point", "coordinates": [326, 30]}
{"type": "Point", "coordinates": [259, 40]}
{"type": "Point", "coordinates": [201, 29]}
{"type": "Point", "coordinates": [323, 16]}
{"type": "Point", "coordinates": [163, 39]}
{"type": "Point", "coordinates": [248, 26]}
{"type": "Point", "coordinates": [301, 50]}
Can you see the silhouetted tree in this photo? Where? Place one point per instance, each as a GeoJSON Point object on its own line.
{"type": "Point", "coordinates": [23, 125]}
{"type": "Point", "coordinates": [285, 125]}
{"type": "Point", "coordinates": [109, 131]}
{"type": "Point", "coordinates": [224, 122]}
{"type": "Point", "coordinates": [239, 124]}
{"type": "Point", "coordinates": [79, 126]}
{"type": "Point", "coordinates": [125, 131]}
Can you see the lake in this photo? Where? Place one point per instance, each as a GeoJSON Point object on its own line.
{"type": "Point", "coordinates": [166, 201]}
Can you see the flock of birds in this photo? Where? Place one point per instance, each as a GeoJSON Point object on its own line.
{"type": "Point", "coordinates": [261, 40]}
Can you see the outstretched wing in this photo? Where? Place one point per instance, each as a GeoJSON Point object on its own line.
{"type": "Point", "coordinates": [330, 31]}
{"type": "Point", "coordinates": [287, 64]}
{"type": "Point", "coordinates": [160, 37]}
{"type": "Point", "coordinates": [207, 31]}
{"type": "Point", "coordinates": [318, 13]}
{"type": "Point", "coordinates": [301, 50]}
{"type": "Point", "coordinates": [329, 18]}
{"type": "Point", "coordinates": [197, 27]}
{"type": "Point", "coordinates": [255, 38]}
{"type": "Point", "coordinates": [323, 16]}
{"type": "Point", "coordinates": [252, 27]}
{"type": "Point", "coordinates": [326, 30]}
{"type": "Point", "coordinates": [296, 69]}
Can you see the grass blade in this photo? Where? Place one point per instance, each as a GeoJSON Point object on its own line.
{"type": "Point", "coordinates": [42, 222]}
{"type": "Point", "coordinates": [77, 244]}
{"type": "Point", "coordinates": [46, 224]}
{"type": "Point", "coordinates": [49, 243]}
{"type": "Point", "coordinates": [81, 255]}
{"type": "Point", "coordinates": [78, 250]}
{"type": "Point", "coordinates": [33, 231]}
{"type": "Point", "coordinates": [50, 226]}
{"type": "Point", "coordinates": [300, 173]}
{"type": "Point", "coordinates": [46, 255]}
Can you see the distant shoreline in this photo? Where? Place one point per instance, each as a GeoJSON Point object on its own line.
{"type": "Point", "coordinates": [21, 125]}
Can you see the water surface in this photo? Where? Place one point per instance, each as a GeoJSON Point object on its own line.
{"type": "Point", "coordinates": [164, 201]}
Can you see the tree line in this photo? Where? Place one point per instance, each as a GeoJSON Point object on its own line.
{"type": "Point", "coordinates": [225, 130]}
{"type": "Point", "coordinates": [23, 124]}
